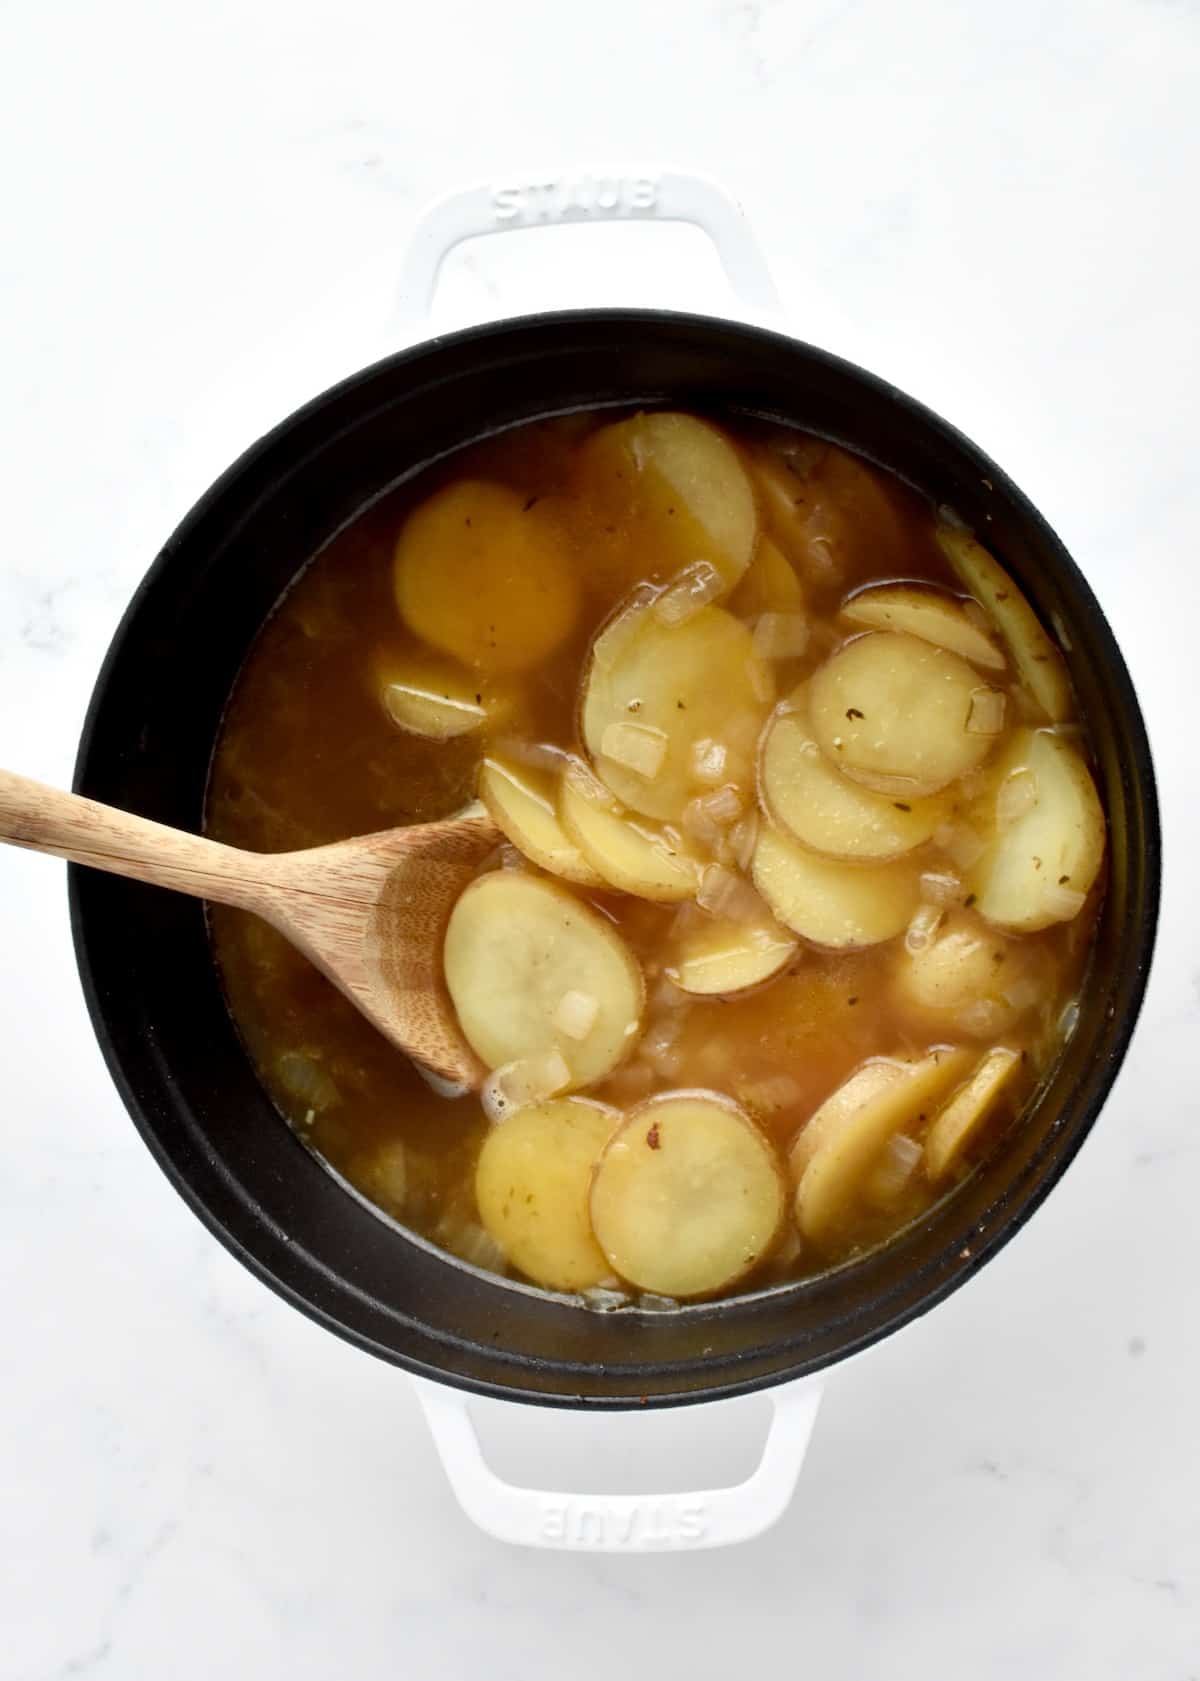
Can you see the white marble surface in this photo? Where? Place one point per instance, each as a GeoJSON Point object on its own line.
{"type": "Point", "coordinates": [993, 205]}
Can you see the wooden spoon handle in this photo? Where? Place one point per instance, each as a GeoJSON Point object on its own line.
{"type": "Point", "coordinates": [47, 820]}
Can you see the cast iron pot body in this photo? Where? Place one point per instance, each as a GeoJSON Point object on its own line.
{"type": "Point", "coordinates": [144, 955]}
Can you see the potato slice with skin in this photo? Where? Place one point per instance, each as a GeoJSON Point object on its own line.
{"type": "Point", "coordinates": [427, 695]}
{"type": "Point", "coordinates": [924, 611]}
{"type": "Point", "coordinates": [680, 487]}
{"type": "Point", "coordinates": [485, 576]}
{"type": "Point", "coordinates": [532, 1184]}
{"type": "Point", "coordinates": [629, 853]}
{"type": "Point", "coordinates": [956, 1125]}
{"type": "Point", "coordinates": [829, 511]}
{"type": "Point", "coordinates": [845, 1154]}
{"type": "Point", "coordinates": [866, 1083]}
{"type": "Point", "coordinates": [823, 809]}
{"type": "Point", "coordinates": [715, 957]}
{"type": "Point", "coordinates": [687, 1196]}
{"type": "Point", "coordinates": [1035, 869]}
{"type": "Point", "coordinates": [521, 802]}
{"type": "Point", "coordinates": [695, 681]}
{"type": "Point", "coordinates": [891, 712]}
{"type": "Point", "coordinates": [829, 901]}
{"type": "Point", "coordinates": [515, 944]}
{"type": "Point", "coordinates": [1038, 661]}
{"type": "Point", "coordinates": [769, 586]}
{"type": "Point", "coordinates": [959, 980]}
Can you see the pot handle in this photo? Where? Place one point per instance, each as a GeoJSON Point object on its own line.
{"type": "Point", "coordinates": [622, 1523]}
{"type": "Point", "coordinates": [543, 201]}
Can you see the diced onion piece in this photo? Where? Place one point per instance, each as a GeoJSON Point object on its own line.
{"type": "Point", "coordinates": [716, 956]}
{"type": "Point", "coordinates": [780, 636]}
{"type": "Point", "coordinates": [576, 1014]}
{"type": "Point", "coordinates": [924, 611]}
{"type": "Point", "coordinates": [894, 1171]}
{"type": "Point", "coordinates": [1037, 660]}
{"type": "Point", "coordinates": [514, 945]}
{"type": "Point", "coordinates": [695, 587]}
{"type": "Point", "coordinates": [743, 839]}
{"type": "Point", "coordinates": [636, 747]}
{"type": "Point", "coordinates": [769, 586]}
{"type": "Point", "coordinates": [725, 806]}
{"type": "Point", "coordinates": [1056, 844]}
{"type": "Point", "coordinates": [601, 1299]}
{"type": "Point", "coordinates": [303, 1078]}
{"type": "Point", "coordinates": [527, 1080]}
{"type": "Point", "coordinates": [986, 716]}
{"type": "Point", "coordinates": [940, 887]}
{"type": "Point", "coordinates": [692, 682]}
{"type": "Point", "coordinates": [771, 1094]}
{"type": "Point", "coordinates": [962, 978]}
{"type": "Point", "coordinates": [521, 803]}
{"type": "Point", "coordinates": [926, 920]}
{"type": "Point", "coordinates": [890, 711]}
{"type": "Point", "coordinates": [629, 853]}
{"type": "Point", "coordinates": [830, 902]}
{"type": "Point", "coordinates": [484, 578]}
{"type": "Point", "coordinates": [836, 1174]}
{"type": "Point", "coordinates": [964, 845]}
{"type": "Point", "coordinates": [532, 1183]}
{"type": "Point", "coordinates": [724, 893]}
{"type": "Point", "coordinates": [959, 1122]}
{"type": "Point", "coordinates": [708, 761]}
{"type": "Point", "coordinates": [469, 1241]}
{"type": "Point", "coordinates": [868, 1080]}
{"type": "Point", "coordinates": [823, 809]}
{"type": "Point", "coordinates": [687, 1197]}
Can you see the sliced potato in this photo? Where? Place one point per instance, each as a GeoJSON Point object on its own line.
{"type": "Point", "coordinates": [1037, 660]}
{"type": "Point", "coordinates": [1040, 867]}
{"type": "Point", "coordinates": [845, 1154]}
{"type": "Point", "coordinates": [486, 577]}
{"type": "Point", "coordinates": [891, 712]}
{"type": "Point", "coordinates": [716, 956]}
{"type": "Point", "coordinates": [831, 513]}
{"type": "Point", "coordinates": [514, 946]}
{"type": "Point", "coordinates": [677, 487]}
{"type": "Point", "coordinates": [687, 1196]}
{"type": "Point", "coordinates": [959, 1122]}
{"type": "Point", "coordinates": [532, 1183]}
{"type": "Point", "coordinates": [425, 694]}
{"type": "Point", "coordinates": [829, 901]}
{"type": "Point", "coordinates": [521, 803]}
{"type": "Point", "coordinates": [924, 611]}
{"type": "Point", "coordinates": [868, 1080]}
{"type": "Point", "coordinates": [769, 586]}
{"type": "Point", "coordinates": [823, 809]}
{"type": "Point", "coordinates": [967, 979]}
{"type": "Point", "coordinates": [692, 682]}
{"type": "Point", "coordinates": [629, 853]}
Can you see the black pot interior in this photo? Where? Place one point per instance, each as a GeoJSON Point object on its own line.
{"type": "Point", "coordinates": [144, 955]}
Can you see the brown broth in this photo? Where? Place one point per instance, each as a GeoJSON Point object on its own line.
{"type": "Point", "coordinates": [307, 755]}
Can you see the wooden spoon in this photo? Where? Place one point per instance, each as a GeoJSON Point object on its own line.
{"type": "Point", "coordinates": [370, 912]}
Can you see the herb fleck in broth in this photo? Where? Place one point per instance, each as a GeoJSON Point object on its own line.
{"type": "Point", "coordinates": [812, 783]}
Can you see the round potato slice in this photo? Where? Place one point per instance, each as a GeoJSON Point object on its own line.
{"type": "Point", "coordinates": [485, 576]}
{"type": "Point", "coordinates": [1037, 660]}
{"type": "Point", "coordinates": [675, 685]}
{"type": "Point", "coordinates": [628, 853]}
{"type": "Point", "coordinates": [961, 1120]}
{"type": "Point", "coordinates": [967, 978]}
{"type": "Point", "coordinates": [828, 901]}
{"type": "Point", "coordinates": [532, 1184]}
{"type": "Point", "coordinates": [860, 1088]}
{"type": "Point", "coordinates": [715, 956]}
{"type": "Point", "coordinates": [891, 711]}
{"type": "Point", "coordinates": [842, 1161]}
{"type": "Point", "coordinates": [688, 1196]}
{"type": "Point", "coordinates": [823, 809]}
{"type": "Point", "coordinates": [678, 486]}
{"type": "Point", "coordinates": [1040, 868]}
{"type": "Point", "coordinates": [515, 946]}
{"type": "Point", "coordinates": [769, 586]}
{"type": "Point", "coordinates": [521, 803]}
{"type": "Point", "coordinates": [921, 610]}
{"type": "Point", "coordinates": [424, 694]}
